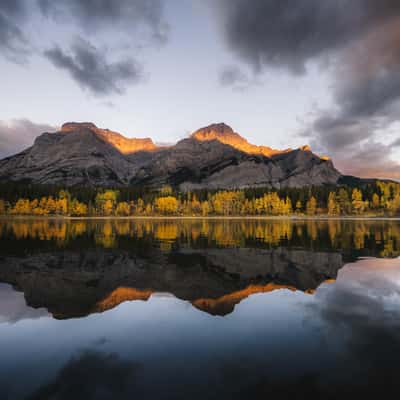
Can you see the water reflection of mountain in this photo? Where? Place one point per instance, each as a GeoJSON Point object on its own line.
{"type": "Point", "coordinates": [81, 267]}
{"type": "Point", "coordinates": [73, 284]}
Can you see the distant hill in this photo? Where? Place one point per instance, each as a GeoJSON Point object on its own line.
{"type": "Point", "coordinates": [212, 157]}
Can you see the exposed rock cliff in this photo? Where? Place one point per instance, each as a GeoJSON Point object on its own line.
{"type": "Point", "coordinates": [212, 157]}
{"type": "Point", "coordinates": [225, 134]}
{"type": "Point", "coordinates": [121, 143]}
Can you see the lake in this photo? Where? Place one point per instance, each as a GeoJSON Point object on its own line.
{"type": "Point", "coordinates": [198, 309]}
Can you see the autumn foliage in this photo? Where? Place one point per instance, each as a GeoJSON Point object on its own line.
{"type": "Point", "coordinates": [381, 199]}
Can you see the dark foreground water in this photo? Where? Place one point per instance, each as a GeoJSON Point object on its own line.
{"type": "Point", "coordinates": [199, 309]}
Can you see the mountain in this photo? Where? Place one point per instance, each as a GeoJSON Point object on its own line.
{"type": "Point", "coordinates": [121, 143]}
{"type": "Point", "coordinates": [225, 134]}
{"type": "Point", "coordinates": [212, 157]}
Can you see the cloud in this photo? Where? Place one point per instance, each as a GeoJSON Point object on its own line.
{"type": "Point", "coordinates": [18, 134]}
{"type": "Point", "coordinates": [92, 375]}
{"type": "Point", "coordinates": [360, 41]}
{"type": "Point", "coordinates": [372, 160]}
{"type": "Point", "coordinates": [13, 43]}
{"type": "Point", "coordinates": [12, 7]}
{"type": "Point", "coordinates": [353, 142]}
{"type": "Point", "coordinates": [98, 15]}
{"type": "Point", "coordinates": [367, 94]}
{"type": "Point", "coordinates": [119, 25]}
{"type": "Point", "coordinates": [368, 76]}
{"type": "Point", "coordinates": [89, 67]}
{"type": "Point", "coordinates": [232, 76]}
{"type": "Point", "coordinates": [286, 33]}
{"type": "Point", "coordinates": [336, 132]}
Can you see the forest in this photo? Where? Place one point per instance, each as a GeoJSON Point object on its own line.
{"type": "Point", "coordinates": [374, 199]}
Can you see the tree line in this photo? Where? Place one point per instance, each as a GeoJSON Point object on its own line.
{"type": "Point", "coordinates": [379, 198]}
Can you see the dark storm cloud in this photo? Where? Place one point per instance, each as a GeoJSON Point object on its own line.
{"type": "Point", "coordinates": [287, 33]}
{"type": "Point", "coordinates": [337, 132]}
{"type": "Point", "coordinates": [367, 94]}
{"type": "Point", "coordinates": [89, 67]}
{"type": "Point", "coordinates": [368, 76]}
{"type": "Point", "coordinates": [92, 375]}
{"type": "Point", "coordinates": [99, 14]}
{"type": "Point", "coordinates": [360, 38]}
{"type": "Point", "coordinates": [18, 134]}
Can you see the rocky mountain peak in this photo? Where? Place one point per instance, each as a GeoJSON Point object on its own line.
{"type": "Point", "coordinates": [214, 157]}
{"type": "Point", "coordinates": [127, 145]}
{"type": "Point", "coordinates": [123, 144]}
{"type": "Point", "coordinates": [221, 132]}
{"type": "Point", "coordinates": [225, 134]}
{"type": "Point", "coordinates": [74, 126]}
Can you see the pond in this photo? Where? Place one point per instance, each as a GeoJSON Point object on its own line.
{"type": "Point", "coordinates": [194, 309]}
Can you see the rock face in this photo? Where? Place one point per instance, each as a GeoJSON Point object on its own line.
{"type": "Point", "coordinates": [121, 143]}
{"type": "Point", "coordinates": [225, 134]}
{"type": "Point", "coordinates": [212, 157]}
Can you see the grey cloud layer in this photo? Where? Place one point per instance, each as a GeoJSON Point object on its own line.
{"type": "Point", "coordinates": [99, 14]}
{"type": "Point", "coordinates": [18, 134]}
{"type": "Point", "coordinates": [291, 33]}
{"type": "Point", "coordinates": [360, 38]}
{"type": "Point", "coordinates": [90, 68]}
{"type": "Point", "coordinates": [367, 92]}
{"type": "Point", "coordinates": [139, 22]}
{"type": "Point", "coordinates": [13, 43]}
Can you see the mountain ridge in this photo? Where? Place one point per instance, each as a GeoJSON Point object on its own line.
{"type": "Point", "coordinates": [123, 144]}
{"type": "Point", "coordinates": [214, 156]}
{"type": "Point", "coordinates": [225, 134]}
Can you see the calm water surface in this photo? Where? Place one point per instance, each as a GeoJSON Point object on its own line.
{"type": "Point", "coordinates": [166, 309]}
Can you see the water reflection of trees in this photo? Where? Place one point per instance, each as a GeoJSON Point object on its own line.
{"type": "Point", "coordinates": [384, 236]}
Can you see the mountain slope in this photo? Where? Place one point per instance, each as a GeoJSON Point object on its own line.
{"type": "Point", "coordinates": [121, 143]}
{"type": "Point", "coordinates": [217, 157]}
{"type": "Point", "coordinates": [225, 134]}
{"type": "Point", "coordinates": [74, 157]}
{"type": "Point", "coordinates": [212, 157]}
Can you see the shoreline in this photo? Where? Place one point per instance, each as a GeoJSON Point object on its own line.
{"type": "Point", "coordinates": [215, 217]}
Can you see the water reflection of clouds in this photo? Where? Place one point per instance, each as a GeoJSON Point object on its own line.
{"type": "Point", "coordinates": [92, 375]}
{"type": "Point", "coordinates": [280, 344]}
{"type": "Point", "coordinates": [13, 307]}
{"type": "Point", "coordinates": [363, 309]}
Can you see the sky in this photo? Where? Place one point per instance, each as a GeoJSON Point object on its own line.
{"type": "Point", "coordinates": [281, 73]}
